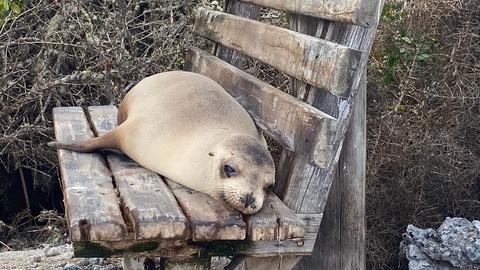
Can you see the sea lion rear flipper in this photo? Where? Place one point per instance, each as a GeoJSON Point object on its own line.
{"type": "Point", "coordinates": [108, 140]}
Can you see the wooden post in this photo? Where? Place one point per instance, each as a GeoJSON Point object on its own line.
{"type": "Point", "coordinates": [133, 262]}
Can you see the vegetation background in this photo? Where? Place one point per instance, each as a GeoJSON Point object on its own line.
{"type": "Point", "coordinates": [423, 103]}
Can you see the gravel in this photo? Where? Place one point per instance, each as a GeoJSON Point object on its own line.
{"type": "Point", "coordinates": [54, 257]}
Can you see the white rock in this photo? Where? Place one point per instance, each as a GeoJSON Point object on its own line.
{"type": "Point", "coordinates": [456, 242]}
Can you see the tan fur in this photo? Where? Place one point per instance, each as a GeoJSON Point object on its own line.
{"type": "Point", "coordinates": [184, 126]}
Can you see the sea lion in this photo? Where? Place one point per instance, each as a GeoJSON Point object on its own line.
{"type": "Point", "coordinates": [187, 128]}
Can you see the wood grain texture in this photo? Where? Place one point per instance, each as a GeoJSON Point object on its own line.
{"type": "Point", "coordinates": [341, 239]}
{"type": "Point", "coordinates": [92, 209]}
{"type": "Point", "coordinates": [295, 124]}
{"type": "Point", "coordinates": [275, 222]}
{"type": "Point", "coordinates": [147, 202]}
{"type": "Point", "coordinates": [319, 62]}
{"type": "Point", "coordinates": [205, 249]}
{"type": "Point", "coordinates": [359, 12]}
{"type": "Point", "coordinates": [245, 10]}
{"type": "Point", "coordinates": [352, 178]}
{"type": "Point", "coordinates": [287, 247]}
{"type": "Point", "coordinates": [209, 219]}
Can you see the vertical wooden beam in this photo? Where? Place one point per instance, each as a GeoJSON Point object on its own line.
{"type": "Point", "coordinates": [352, 173]}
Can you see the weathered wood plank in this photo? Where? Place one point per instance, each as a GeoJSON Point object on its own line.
{"type": "Point", "coordinates": [91, 205]}
{"type": "Point", "coordinates": [170, 248]}
{"type": "Point", "coordinates": [324, 64]}
{"type": "Point", "coordinates": [209, 219]}
{"type": "Point", "coordinates": [359, 12]}
{"type": "Point", "coordinates": [341, 240]}
{"type": "Point", "coordinates": [274, 222]}
{"type": "Point", "coordinates": [245, 10]}
{"type": "Point", "coordinates": [287, 247]}
{"type": "Point", "coordinates": [147, 202]}
{"type": "Point", "coordinates": [296, 125]}
{"type": "Point", "coordinates": [352, 176]}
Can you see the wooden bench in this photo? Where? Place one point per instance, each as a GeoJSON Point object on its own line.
{"type": "Point", "coordinates": [114, 207]}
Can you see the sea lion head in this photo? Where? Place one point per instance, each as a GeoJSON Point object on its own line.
{"type": "Point", "coordinates": [243, 173]}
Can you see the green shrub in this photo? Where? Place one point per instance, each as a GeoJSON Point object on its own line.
{"type": "Point", "coordinates": [9, 9]}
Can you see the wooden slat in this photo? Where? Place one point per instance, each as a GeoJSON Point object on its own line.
{"type": "Point", "coordinates": [209, 219]}
{"type": "Point", "coordinates": [359, 12]}
{"type": "Point", "coordinates": [319, 62]}
{"type": "Point", "coordinates": [288, 247]}
{"type": "Point", "coordinates": [169, 249]}
{"type": "Point", "coordinates": [147, 202]}
{"type": "Point", "coordinates": [296, 125]}
{"type": "Point", "coordinates": [92, 207]}
{"type": "Point", "coordinates": [274, 222]}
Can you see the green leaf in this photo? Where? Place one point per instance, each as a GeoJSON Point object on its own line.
{"type": "Point", "coordinates": [15, 8]}
{"type": "Point", "coordinates": [407, 40]}
{"type": "Point", "coordinates": [424, 56]}
{"type": "Point", "coordinates": [6, 5]}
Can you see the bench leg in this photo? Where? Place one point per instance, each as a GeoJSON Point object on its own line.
{"type": "Point", "coordinates": [133, 263]}
{"type": "Point", "coordinates": [190, 264]}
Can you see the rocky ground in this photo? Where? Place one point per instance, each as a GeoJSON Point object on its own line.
{"type": "Point", "coordinates": [54, 257]}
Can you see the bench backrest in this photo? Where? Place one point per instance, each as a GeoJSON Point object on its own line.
{"type": "Point", "coordinates": [326, 63]}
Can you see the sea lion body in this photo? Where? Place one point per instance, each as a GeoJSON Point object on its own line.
{"type": "Point", "coordinates": [187, 128]}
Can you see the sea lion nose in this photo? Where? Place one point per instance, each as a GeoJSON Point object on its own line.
{"type": "Point", "coordinates": [249, 199]}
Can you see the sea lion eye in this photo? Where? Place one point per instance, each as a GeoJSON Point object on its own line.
{"type": "Point", "coordinates": [229, 171]}
{"type": "Point", "coordinates": [268, 189]}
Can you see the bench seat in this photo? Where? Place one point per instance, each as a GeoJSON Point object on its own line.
{"type": "Point", "coordinates": [114, 206]}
